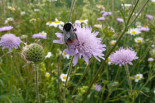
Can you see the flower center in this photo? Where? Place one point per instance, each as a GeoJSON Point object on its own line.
{"type": "Point", "coordinates": [64, 77]}
{"type": "Point", "coordinates": [42, 34]}
{"type": "Point", "coordinates": [50, 22]}
{"type": "Point", "coordinates": [108, 59]}
{"type": "Point", "coordinates": [133, 32]}
{"type": "Point", "coordinates": [145, 26]}
{"type": "Point", "coordinates": [139, 41]}
{"type": "Point", "coordinates": [101, 6]}
{"type": "Point", "coordinates": [137, 77]}
{"type": "Point", "coordinates": [81, 20]}
{"type": "Point", "coordinates": [63, 52]}
{"type": "Point", "coordinates": [11, 8]}
{"type": "Point", "coordinates": [57, 22]}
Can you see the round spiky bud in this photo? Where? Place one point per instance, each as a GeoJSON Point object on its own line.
{"type": "Point", "coordinates": [33, 53]}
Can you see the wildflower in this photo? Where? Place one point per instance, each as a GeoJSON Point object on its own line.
{"type": "Point", "coordinates": [123, 56]}
{"type": "Point", "coordinates": [63, 54]}
{"type": "Point", "coordinates": [49, 54]}
{"type": "Point", "coordinates": [23, 36]}
{"type": "Point", "coordinates": [112, 42]}
{"type": "Point", "coordinates": [63, 77]}
{"type": "Point", "coordinates": [8, 20]}
{"type": "Point", "coordinates": [98, 26]}
{"type": "Point", "coordinates": [150, 59]}
{"type": "Point", "coordinates": [41, 35]}
{"type": "Point", "coordinates": [98, 87]}
{"type": "Point", "coordinates": [138, 24]}
{"type": "Point", "coordinates": [105, 13]}
{"type": "Point", "coordinates": [81, 21]}
{"type": "Point", "coordinates": [57, 23]}
{"type": "Point", "coordinates": [127, 6]}
{"type": "Point", "coordinates": [10, 41]}
{"type": "Point", "coordinates": [144, 28]}
{"type": "Point", "coordinates": [5, 28]}
{"type": "Point", "coordinates": [108, 60]}
{"type": "Point", "coordinates": [153, 1]}
{"type": "Point", "coordinates": [120, 20]}
{"type": "Point", "coordinates": [36, 10]}
{"type": "Point", "coordinates": [149, 17]}
{"type": "Point", "coordinates": [11, 8]}
{"type": "Point", "coordinates": [22, 13]}
{"type": "Point", "coordinates": [86, 45]}
{"type": "Point", "coordinates": [133, 31]}
{"type": "Point", "coordinates": [49, 23]}
{"type": "Point", "coordinates": [139, 40]}
{"type": "Point", "coordinates": [101, 18]}
{"type": "Point", "coordinates": [138, 77]}
{"type": "Point", "coordinates": [100, 6]}
{"type": "Point", "coordinates": [32, 20]}
{"type": "Point", "coordinates": [47, 75]}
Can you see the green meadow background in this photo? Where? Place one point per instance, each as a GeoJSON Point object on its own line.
{"type": "Point", "coordinates": [17, 77]}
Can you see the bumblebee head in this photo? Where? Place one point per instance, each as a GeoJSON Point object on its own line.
{"type": "Point", "coordinates": [67, 27]}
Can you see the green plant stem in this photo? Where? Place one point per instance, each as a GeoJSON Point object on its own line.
{"type": "Point", "coordinates": [36, 83]}
{"type": "Point", "coordinates": [102, 64]}
{"type": "Point", "coordinates": [129, 81]}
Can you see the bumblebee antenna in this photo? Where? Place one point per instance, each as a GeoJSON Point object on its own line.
{"type": "Point", "coordinates": [71, 9]}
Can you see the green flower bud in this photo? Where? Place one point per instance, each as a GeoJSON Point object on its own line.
{"type": "Point", "coordinates": [33, 53]}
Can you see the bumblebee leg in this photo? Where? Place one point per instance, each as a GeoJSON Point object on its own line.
{"type": "Point", "coordinates": [75, 29]}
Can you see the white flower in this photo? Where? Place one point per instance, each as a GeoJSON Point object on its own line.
{"type": "Point", "coordinates": [99, 26]}
{"type": "Point", "coordinates": [108, 60]}
{"type": "Point", "coordinates": [100, 6]}
{"type": "Point", "coordinates": [154, 91]}
{"type": "Point", "coordinates": [47, 75]}
{"type": "Point", "coordinates": [81, 21]}
{"type": "Point", "coordinates": [126, 5]}
{"type": "Point", "coordinates": [32, 20]}
{"type": "Point", "coordinates": [153, 1]}
{"type": "Point", "coordinates": [51, 0]}
{"type": "Point", "coordinates": [112, 42]}
{"type": "Point", "coordinates": [49, 54]}
{"type": "Point", "coordinates": [134, 31]}
{"type": "Point", "coordinates": [8, 20]}
{"type": "Point", "coordinates": [23, 36]}
{"type": "Point", "coordinates": [138, 77]}
{"type": "Point", "coordinates": [36, 10]}
{"type": "Point", "coordinates": [49, 23]}
{"type": "Point", "coordinates": [63, 77]}
{"type": "Point", "coordinates": [139, 40]}
{"type": "Point", "coordinates": [63, 54]}
{"type": "Point", "coordinates": [57, 23]}
{"type": "Point", "coordinates": [138, 24]}
{"type": "Point", "coordinates": [11, 8]}
{"type": "Point", "coordinates": [22, 13]}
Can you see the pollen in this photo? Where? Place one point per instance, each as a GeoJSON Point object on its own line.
{"type": "Point", "coordinates": [139, 41]}
{"type": "Point", "coordinates": [145, 26]}
{"type": "Point", "coordinates": [50, 22]}
{"type": "Point", "coordinates": [137, 77]}
{"type": "Point", "coordinates": [133, 32]}
{"type": "Point", "coordinates": [64, 77]}
{"type": "Point", "coordinates": [57, 22]}
{"type": "Point", "coordinates": [81, 20]}
{"type": "Point", "coordinates": [63, 52]}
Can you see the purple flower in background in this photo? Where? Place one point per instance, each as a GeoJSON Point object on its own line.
{"type": "Point", "coordinates": [98, 87]}
{"type": "Point", "coordinates": [120, 20]}
{"type": "Point", "coordinates": [150, 59]}
{"type": "Point", "coordinates": [10, 41]}
{"type": "Point", "coordinates": [5, 28]}
{"type": "Point", "coordinates": [149, 17]}
{"type": "Point", "coordinates": [86, 45]}
{"type": "Point", "coordinates": [41, 35]}
{"type": "Point", "coordinates": [106, 13]}
{"type": "Point", "coordinates": [123, 56]}
{"type": "Point", "coordinates": [101, 18]}
{"type": "Point", "coordinates": [144, 28]}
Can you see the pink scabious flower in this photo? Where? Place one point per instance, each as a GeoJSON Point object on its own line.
{"type": "Point", "coordinates": [149, 17]}
{"type": "Point", "coordinates": [144, 28]}
{"type": "Point", "coordinates": [10, 41]}
{"type": "Point", "coordinates": [5, 28]}
{"type": "Point", "coordinates": [150, 59]}
{"type": "Point", "coordinates": [101, 18]}
{"type": "Point", "coordinates": [98, 87]}
{"type": "Point", "coordinates": [123, 56]}
{"type": "Point", "coordinates": [105, 13]}
{"type": "Point", "coordinates": [86, 45]}
{"type": "Point", "coordinates": [120, 20]}
{"type": "Point", "coordinates": [41, 35]}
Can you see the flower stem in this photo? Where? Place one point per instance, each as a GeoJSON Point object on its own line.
{"type": "Point", "coordinates": [129, 81]}
{"type": "Point", "coordinates": [36, 83]}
